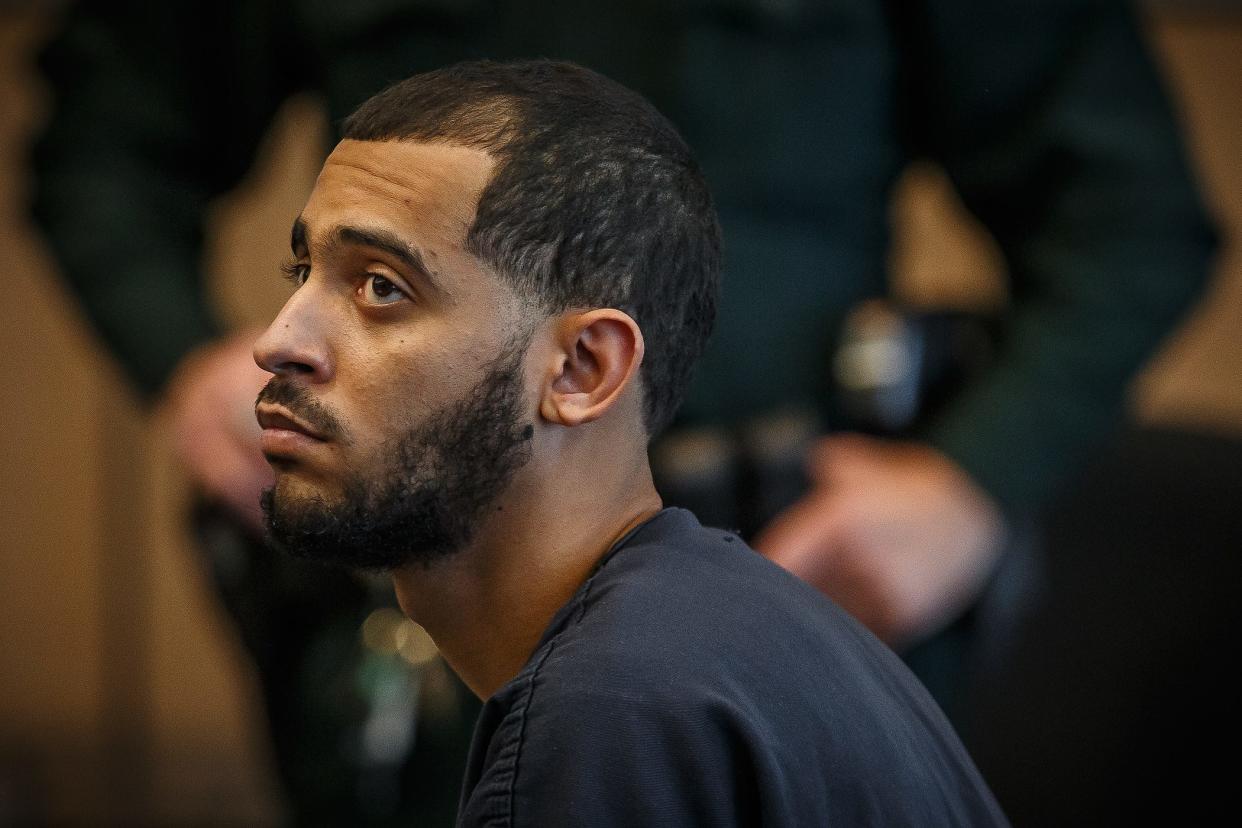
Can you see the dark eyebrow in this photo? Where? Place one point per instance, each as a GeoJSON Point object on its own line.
{"type": "Point", "coordinates": [407, 254]}
{"type": "Point", "coordinates": [297, 238]}
{"type": "Point", "coordinates": [381, 240]}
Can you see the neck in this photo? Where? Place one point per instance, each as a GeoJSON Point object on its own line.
{"type": "Point", "coordinates": [487, 606]}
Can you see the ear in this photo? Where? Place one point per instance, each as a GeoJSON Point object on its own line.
{"type": "Point", "coordinates": [597, 357]}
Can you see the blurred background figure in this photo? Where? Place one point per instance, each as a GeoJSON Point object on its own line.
{"type": "Point", "coordinates": [962, 394]}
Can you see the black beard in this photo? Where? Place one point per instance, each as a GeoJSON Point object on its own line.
{"type": "Point", "coordinates": [425, 506]}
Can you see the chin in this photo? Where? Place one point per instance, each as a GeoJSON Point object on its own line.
{"type": "Point", "coordinates": [296, 486]}
{"type": "Point", "coordinates": [292, 496]}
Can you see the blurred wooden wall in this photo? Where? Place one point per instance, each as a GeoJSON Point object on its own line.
{"type": "Point", "coordinates": [114, 708]}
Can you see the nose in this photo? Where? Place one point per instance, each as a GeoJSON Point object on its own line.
{"type": "Point", "coordinates": [295, 343]}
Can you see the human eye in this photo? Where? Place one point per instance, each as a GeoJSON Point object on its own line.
{"type": "Point", "coordinates": [295, 272]}
{"type": "Point", "coordinates": [379, 290]}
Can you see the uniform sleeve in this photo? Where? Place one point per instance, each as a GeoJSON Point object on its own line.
{"type": "Point", "coordinates": [1051, 121]}
{"type": "Point", "coordinates": [155, 109]}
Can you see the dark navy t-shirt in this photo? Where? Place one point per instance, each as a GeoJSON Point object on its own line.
{"type": "Point", "coordinates": [692, 682]}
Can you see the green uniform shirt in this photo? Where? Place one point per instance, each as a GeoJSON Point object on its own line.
{"type": "Point", "coordinates": [1048, 117]}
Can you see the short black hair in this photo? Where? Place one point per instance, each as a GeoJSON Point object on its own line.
{"type": "Point", "coordinates": [595, 201]}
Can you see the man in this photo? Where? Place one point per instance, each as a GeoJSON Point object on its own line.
{"type": "Point", "coordinates": [504, 275]}
{"type": "Point", "coordinates": [1050, 121]}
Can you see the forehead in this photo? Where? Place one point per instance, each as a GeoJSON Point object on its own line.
{"type": "Point", "coordinates": [424, 192]}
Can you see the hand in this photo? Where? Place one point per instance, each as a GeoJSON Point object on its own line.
{"type": "Point", "coordinates": [210, 401]}
{"type": "Point", "coordinates": [894, 532]}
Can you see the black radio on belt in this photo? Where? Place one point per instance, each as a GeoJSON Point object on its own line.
{"type": "Point", "coordinates": [892, 370]}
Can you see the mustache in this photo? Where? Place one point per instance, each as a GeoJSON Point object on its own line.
{"type": "Point", "coordinates": [284, 391]}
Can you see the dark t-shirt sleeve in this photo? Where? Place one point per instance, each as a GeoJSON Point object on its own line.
{"type": "Point", "coordinates": [602, 757]}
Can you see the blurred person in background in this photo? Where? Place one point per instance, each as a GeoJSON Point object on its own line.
{"type": "Point", "coordinates": [1049, 120]}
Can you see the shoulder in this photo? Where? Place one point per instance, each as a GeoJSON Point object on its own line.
{"type": "Point", "coordinates": [690, 674]}
{"type": "Point", "coordinates": [680, 602]}
{"type": "Point", "coordinates": [606, 743]}
{"type": "Point", "coordinates": [686, 630]}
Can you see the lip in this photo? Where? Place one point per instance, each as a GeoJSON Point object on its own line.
{"type": "Point", "coordinates": [274, 418]}
{"type": "Point", "coordinates": [283, 434]}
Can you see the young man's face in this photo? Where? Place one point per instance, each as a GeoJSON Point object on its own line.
{"type": "Point", "coordinates": [398, 410]}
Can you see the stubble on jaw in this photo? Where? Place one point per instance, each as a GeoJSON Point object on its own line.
{"type": "Point", "coordinates": [441, 478]}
